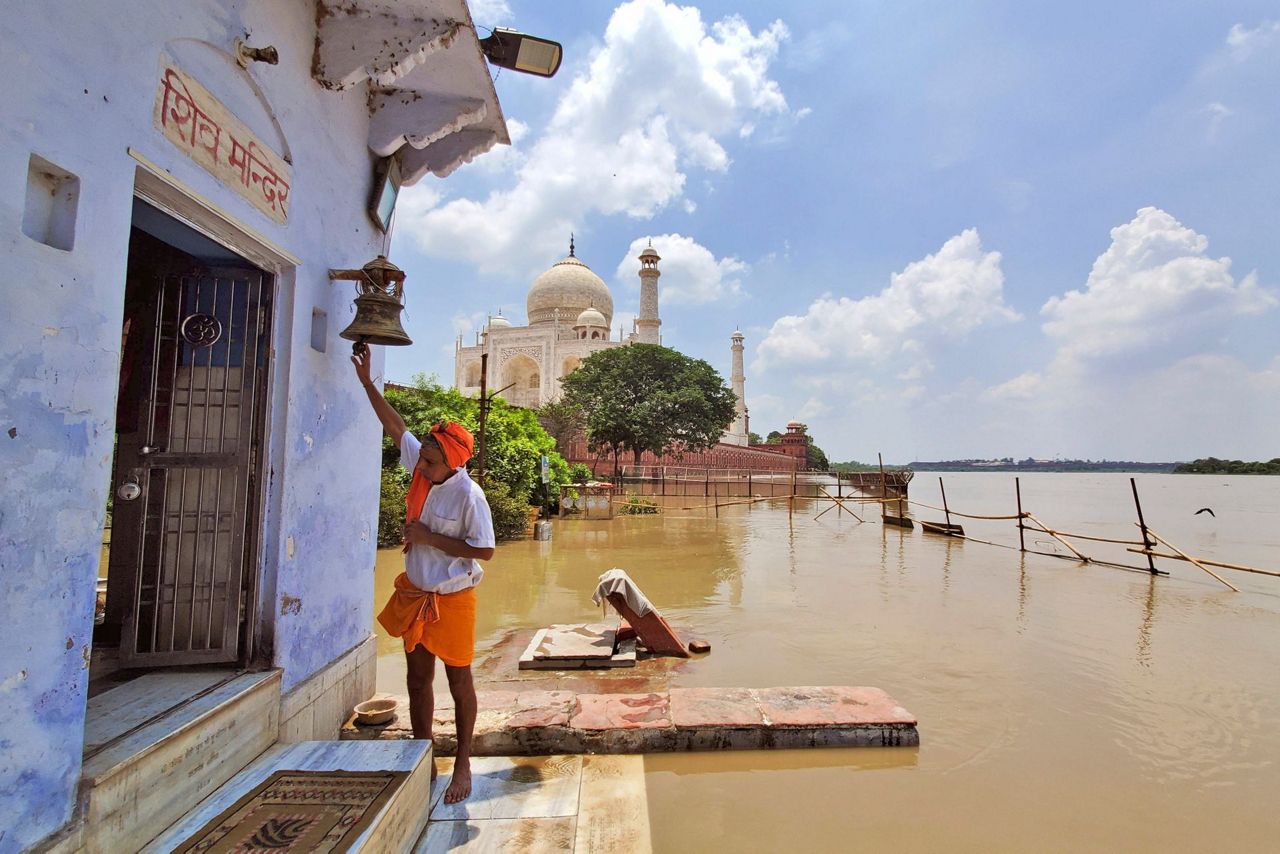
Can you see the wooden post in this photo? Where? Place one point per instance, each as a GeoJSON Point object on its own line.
{"type": "Point", "coordinates": [944, 502]}
{"type": "Point", "coordinates": [884, 489]}
{"type": "Point", "coordinates": [791, 499]}
{"type": "Point", "coordinates": [717, 500]}
{"type": "Point", "coordinates": [1147, 542]}
{"type": "Point", "coordinates": [484, 413]}
{"type": "Point", "coordinates": [1017, 488]}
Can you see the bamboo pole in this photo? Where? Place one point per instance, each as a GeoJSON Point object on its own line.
{"type": "Point", "coordinates": [1017, 489]}
{"type": "Point", "coordinates": [1208, 562]}
{"type": "Point", "coordinates": [1188, 557]}
{"type": "Point", "coordinates": [1051, 533]}
{"type": "Point", "coordinates": [1142, 524]}
{"type": "Point", "coordinates": [838, 503]}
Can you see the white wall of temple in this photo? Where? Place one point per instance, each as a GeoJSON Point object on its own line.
{"type": "Point", "coordinates": [84, 85]}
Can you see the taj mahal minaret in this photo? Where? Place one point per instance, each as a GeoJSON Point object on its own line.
{"type": "Point", "coordinates": [737, 434]}
{"type": "Point", "coordinates": [648, 323]}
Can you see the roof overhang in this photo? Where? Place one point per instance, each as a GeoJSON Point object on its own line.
{"type": "Point", "coordinates": [431, 99]}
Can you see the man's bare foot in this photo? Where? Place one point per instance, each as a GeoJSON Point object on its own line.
{"type": "Point", "coordinates": [460, 785]}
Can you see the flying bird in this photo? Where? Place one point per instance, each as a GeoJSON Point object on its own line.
{"type": "Point", "coordinates": [1208, 510]}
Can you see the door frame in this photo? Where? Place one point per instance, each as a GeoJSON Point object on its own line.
{"type": "Point", "coordinates": [162, 191]}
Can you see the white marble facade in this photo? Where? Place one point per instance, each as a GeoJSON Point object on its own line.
{"type": "Point", "coordinates": [570, 310]}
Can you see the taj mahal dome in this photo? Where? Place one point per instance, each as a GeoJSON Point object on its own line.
{"type": "Point", "coordinates": [570, 316]}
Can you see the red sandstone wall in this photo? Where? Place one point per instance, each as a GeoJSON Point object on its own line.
{"type": "Point", "coordinates": [721, 456]}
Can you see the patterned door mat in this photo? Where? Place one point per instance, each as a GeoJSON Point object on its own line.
{"type": "Point", "coordinates": [324, 811]}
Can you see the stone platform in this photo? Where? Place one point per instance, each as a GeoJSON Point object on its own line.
{"type": "Point", "coordinates": [536, 722]}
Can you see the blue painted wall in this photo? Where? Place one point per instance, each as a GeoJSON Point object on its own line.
{"type": "Point", "coordinates": [88, 74]}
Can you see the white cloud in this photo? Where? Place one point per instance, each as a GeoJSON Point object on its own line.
{"type": "Point", "coordinates": [813, 408]}
{"type": "Point", "coordinates": [501, 158]}
{"type": "Point", "coordinates": [466, 323]}
{"type": "Point", "coordinates": [944, 295]}
{"type": "Point", "coordinates": [691, 273]}
{"type": "Point", "coordinates": [1218, 113]}
{"type": "Point", "coordinates": [488, 13]}
{"type": "Point", "coordinates": [1243, 41]}
{"type": "Point", "coordinates": [1022, 387]}
{"type": "Point", "coordinates": [1137, 343]}
{"type": "Point", "coordinates": [652, 103]}
{"type": "Point", "coordinates": [1154, 285]}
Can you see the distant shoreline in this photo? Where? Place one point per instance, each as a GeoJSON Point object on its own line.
{"type": "Point", "coordinates": [1064, 466]}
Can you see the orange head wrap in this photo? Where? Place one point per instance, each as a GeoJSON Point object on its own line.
{"type": "Point", "coordinates": [457, 444]}
{"type": "Point", "coordinates": [455, 441]}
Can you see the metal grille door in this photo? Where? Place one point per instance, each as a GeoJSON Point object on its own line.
{"type": "Point", "coordinates": [186, 492]}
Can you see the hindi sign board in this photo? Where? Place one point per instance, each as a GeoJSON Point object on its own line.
{"type": "Point", "coordinates": [198, 123]}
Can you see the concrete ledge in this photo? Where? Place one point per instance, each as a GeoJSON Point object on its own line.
{"type": "Point", "coordinates": [315, 708]}
{"type": "Point", "coordinates": [536, 723]}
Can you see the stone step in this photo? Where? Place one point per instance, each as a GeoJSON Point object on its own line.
{"type": "Point", "coordinates": [561, 803]}
{"type": "Point", "coordinates": [537, 723]}
{"type": "Point", "coordinates": [396, 827]}
{"type": "Point", "coordinates": [160, 744]}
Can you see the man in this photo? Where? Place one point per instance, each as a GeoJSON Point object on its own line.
{"type": "Point", "coordinates": [448, 531]}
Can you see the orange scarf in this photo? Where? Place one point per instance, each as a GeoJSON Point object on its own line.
{"type": "Point", "coordinates": [456, 443]}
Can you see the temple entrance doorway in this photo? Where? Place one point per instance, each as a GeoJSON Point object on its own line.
{"type": "Point", "coordinates": [181, 552]}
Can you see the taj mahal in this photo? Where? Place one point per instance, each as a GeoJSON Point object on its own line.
{"type": "Point", "coordinates": [570, 314]}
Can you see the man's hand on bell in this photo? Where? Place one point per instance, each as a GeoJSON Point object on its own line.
{"type": "Point", "coordinates": [360, 357]}
{"type": "Point", "coordinates": [418, 533]}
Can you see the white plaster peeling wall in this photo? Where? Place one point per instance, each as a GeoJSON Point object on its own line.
{"type": "Point", "coordinates": [80, 87]}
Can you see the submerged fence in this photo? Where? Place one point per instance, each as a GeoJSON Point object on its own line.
{"type": "Point", "coordinates": [731, 488]}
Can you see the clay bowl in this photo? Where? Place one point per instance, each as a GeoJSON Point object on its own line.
{"type": "Point", "coordinates": [374, 712]}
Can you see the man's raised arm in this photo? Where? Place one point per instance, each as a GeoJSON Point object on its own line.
{"type": "Point", "coordinates": [391, 420]}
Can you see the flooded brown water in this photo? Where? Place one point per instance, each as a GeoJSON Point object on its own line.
{"type": "Point", "coordinates": [1062, 707]}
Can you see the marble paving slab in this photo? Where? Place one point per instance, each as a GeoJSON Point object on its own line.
{"type": "Point", "coordinates": [530, 660]}
{"type": "Point", "coordinates": [504, 787]}
{"type": "Point", "coordinates": [613, 809]}
{"type": "Point", "coordinates": [113, 713]}
{"type": "Point", "coordinates": [592, 640]}
{"type": "Point", "coordinates": [585, 804]}
{"type": "Point", "coordinates": [500, 836]}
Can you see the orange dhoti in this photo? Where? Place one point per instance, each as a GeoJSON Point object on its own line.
{"type": "Point", "coordinates": [442, 623]}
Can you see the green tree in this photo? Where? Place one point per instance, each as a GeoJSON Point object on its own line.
{"type": "Point", "coordinates": [774, 438]}
{"type": "Point", "coordinates": [645, 397]}
{"type": "Point", "coordinates": [816, 458]}
{"type": "Point", "coordinates": [562, 420]}
{"type": "Point", "coordinates": [515, 444]}
{"type": "Point", "coordinates": [754, 438]}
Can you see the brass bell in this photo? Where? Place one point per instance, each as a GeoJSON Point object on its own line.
{"type": "Point", "coordinates": [379, 301]}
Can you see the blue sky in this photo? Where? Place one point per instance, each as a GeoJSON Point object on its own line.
{"type": "Point", "coordinates": [947, 230]}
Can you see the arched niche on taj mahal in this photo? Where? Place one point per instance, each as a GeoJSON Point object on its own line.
{"type": "Point", "coordinates": [522, 373]}
{"type": "Point", "coordinates": [570, 364]}
{"type": "Point", "coordinates": [472, 374]}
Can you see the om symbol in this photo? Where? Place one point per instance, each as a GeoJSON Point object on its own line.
{"type": "Point", "coordinates": [201, 330]}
